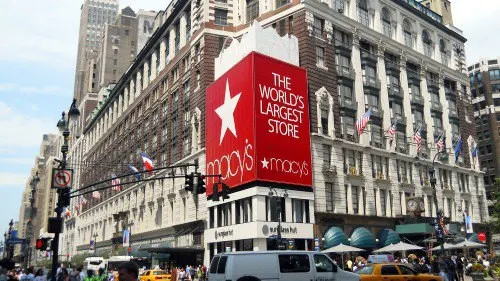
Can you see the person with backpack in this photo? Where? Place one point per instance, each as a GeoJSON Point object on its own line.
{"type": "Point", "coordinates": [74, 275]}
{"type": "Point", "coordinates": [101, 275]}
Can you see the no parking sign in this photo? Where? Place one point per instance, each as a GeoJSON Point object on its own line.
{"type": "Point", "coordinates": [62, 178]}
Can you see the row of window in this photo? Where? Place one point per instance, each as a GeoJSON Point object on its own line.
{"type": "Point", "coordinates": [243, 210]}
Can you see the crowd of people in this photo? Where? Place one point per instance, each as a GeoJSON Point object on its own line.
{"type": "Point", "coordinates": [189, 273]}
{"type": "Point", "coordinates": [450, 268]}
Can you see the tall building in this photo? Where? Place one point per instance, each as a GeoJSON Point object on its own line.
{"type": "Point", "coordinates": [121, 42]}
{"type": "Point", "coordinates": [441, 7]}
{"type": "Point", "coordinates": [95, 14]}
{"type": "Point", "coordinates": [484, 77]}
{"type": "Point", "coordinates": [396, 58]}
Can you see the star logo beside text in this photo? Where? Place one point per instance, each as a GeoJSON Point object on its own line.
{"type": "Point", "coordinates": [226, 113]}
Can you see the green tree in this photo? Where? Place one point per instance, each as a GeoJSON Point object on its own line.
{"type": "Point", "coordinates": [494, 223]}
{"type": "Point", "coordinates": [79, 259]}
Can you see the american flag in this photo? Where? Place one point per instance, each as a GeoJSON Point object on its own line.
{"type": "Point", "coordinates": [440, 142]}
{"type": "Point", "coordinates": [363, 121]}
{"type": "Point", "coordinates": [96, 195]}
{"type": "Point", "coordinates": [78, 201]}
{"type": "Point", "coordinates": [116, 183]}
{"type": "Point", "coordinates": [417, 137]}
{"type": "Point", "coordinates": [392, 130]}
{"type": "Point", "coordinates": [83, 201]}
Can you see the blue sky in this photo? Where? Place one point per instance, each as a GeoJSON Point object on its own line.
{"type": "Point", "coordinates": [37, 66]}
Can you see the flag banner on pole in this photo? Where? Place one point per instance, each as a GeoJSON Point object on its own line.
{"type": "Point", "coordinates": [392, 130]}
{"type": "Point", "coordinates": [126, 238]}
{"type": "Point", "coordinates": [147, 162]}
{"type": "Point", "coordinates": [363, 121]}
{"type": "Point", "coordinates": [135, 170]}
{"type": "Point", "coordinates": [96, 195]}
{"type": "Point", "coordinates": [440, 142]}
{"type": "Point", "coordinates": [417, 137]}
{"type": "Point", "coordinates": [116, 183]}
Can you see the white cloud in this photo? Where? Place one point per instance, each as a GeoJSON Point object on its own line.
{"type": "Point", "coordinates": [12, 179]}
{"type": "Point", "coordinates": [17, 160]}
{"type": "Point", "coordinates": [479, 22]}
{"type": "Point", "coordinates": [22, 130]}
{"type": "Point", "coordinates": [33, 90]}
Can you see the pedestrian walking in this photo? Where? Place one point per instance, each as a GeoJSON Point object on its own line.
{"type": "Point", "coordinates": [128, 271]}
{"type": "Point", "coordinates": [39, 275]}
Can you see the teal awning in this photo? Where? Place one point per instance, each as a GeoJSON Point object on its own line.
{"type": "Point", "coordinates": [473, 238]}
{"type": "Point", "coordinates": [387, 237]}
{"type": "Point", "coordinates": [363, 238]}
{"type": "Point", "coordinates": [334, 236]}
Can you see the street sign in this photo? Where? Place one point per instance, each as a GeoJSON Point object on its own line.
{"type": "Point", "coordinates": [62, 178]}
{"type": "Point", "coordinates": [15, 241]}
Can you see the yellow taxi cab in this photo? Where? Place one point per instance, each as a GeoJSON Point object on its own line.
{"type": "Point", "coordinates": [393, 272]}
{"type": "Point", "coordinates": [155, 275]}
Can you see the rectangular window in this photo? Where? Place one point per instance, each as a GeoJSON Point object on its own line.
{"type": "Point", "coordinates": [383, 202]}
{"type": "Point", "coordinates": [252, 10]}
{"type": "Point", "coordinates": [330, 200]}
{"type": "Point", "coordinates": [292, 263]}
{"type": "Point", "coordinates": [318, 26]}
{"type": "Point", "coordinates": [327, 155]}
{"type": "Point", "coordinates": [280, 3]}
{"type": "Point", "coordinates": [324, 121]}
{"type": "Point", "coordinates": [220, 17]}
{"type": "Point", "coordinates": [298, 210]}
{"type": "Point", "coordinates": [355, 199]}
{"type": "Point", "coordinates": [320, 56]}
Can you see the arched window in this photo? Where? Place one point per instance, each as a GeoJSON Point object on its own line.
{"type": "Point", "coordinates": [444, 54]}
{"type": "Point", "coordinates": [386, 22]}
{"type": "Point", "coordinates": [363, 12]}
{"type": "Point", "coordinates": [407, 33]}
{"type": "Point", "coordinates": [426, 39]}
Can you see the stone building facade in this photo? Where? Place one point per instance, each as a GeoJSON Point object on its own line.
{"type": "Point", "coordinates": [386, 55]}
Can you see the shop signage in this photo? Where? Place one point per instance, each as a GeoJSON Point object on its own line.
{"type": "Point", "coordinates": [266, 229]}
{"type": "Point", "coordinates": [257, 114]}
{"type": "Point", "coordinates": [223, 233]}
{"type": "Point", "coordinates": [481, 236]}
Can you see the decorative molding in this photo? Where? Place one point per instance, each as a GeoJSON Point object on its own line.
{"type": "Point", "coordinates": [262, 40]}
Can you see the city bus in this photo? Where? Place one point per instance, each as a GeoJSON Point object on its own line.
{"type": "Point", "coordinates": [115, 261]}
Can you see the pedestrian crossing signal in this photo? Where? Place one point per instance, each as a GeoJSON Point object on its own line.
{"type": "Point", "coordinates": [42, 244]}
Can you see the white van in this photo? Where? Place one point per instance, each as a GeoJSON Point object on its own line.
{"type": "Point", "coordinates": [276, 265]}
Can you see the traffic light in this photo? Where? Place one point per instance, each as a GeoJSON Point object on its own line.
{"type": "Point", "coordinates": [42, 244]}
{"type": "Point", "coordinates": [201, 184]}
{"type": "Point", "coordinates": [225, 191]}
{"type": "Point", "coordinates": [215, 192]}
{"type": "Point", "coordinates": [189, 183]}
{"type": "Point", "coordinates": [65, 196]}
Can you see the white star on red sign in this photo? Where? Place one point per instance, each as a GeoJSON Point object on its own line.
{"type": "Point", "coordinates": [226, 113]}
{"type": "Point", "coordinates": [265, 163]}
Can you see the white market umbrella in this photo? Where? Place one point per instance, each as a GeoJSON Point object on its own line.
{"type": "Point", "coordinates": [401, 246]}
{"type": "Point", "coordinates": [468, 245]}
{"type": "Point", "coordinates": [341, 249]}
{"type": "Point", "coordinates": [446, 246]}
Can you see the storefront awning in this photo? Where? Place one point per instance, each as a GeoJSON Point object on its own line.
{"type": "Point", "coordinates": [170, 250]}
{"type": "Point", "coordinates": [473, 238]}
{"type": "Point", "coordinates": [334, 236]}
{"type": "Point", "coordinates": [387, 237]}
{"type": "Point", "coordinates": [414, 229]}
{"type": "Point", "coordinates": [363, 238]}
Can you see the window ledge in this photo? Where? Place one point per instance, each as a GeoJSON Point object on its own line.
{"type": "Point", "coordinates": [321, 66]}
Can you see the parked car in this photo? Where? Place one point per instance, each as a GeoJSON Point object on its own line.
{"type": "Point", "coordinates": [393, 272]}
{"type": "Point", "coordinates": [276, 266]}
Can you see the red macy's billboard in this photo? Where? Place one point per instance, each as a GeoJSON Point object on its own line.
{"type": "Point", "coordinates": [257, 126]}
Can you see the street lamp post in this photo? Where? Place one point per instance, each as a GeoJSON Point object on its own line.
{"type": "Point", "coordinates": [129, 250]}
{"type": "Point", "coordinates": [10, 251]}
{"type": "Point", "coordinates": [63, 126]}
{"type": "Point", "coordinates": [5, 244]}
{"type": "Point", "coordinates": [29, 226]}
{"type": "Point", "coordinates": [439, 213]}
{"type": "Point", "coordinates": [274, 195]}
{"type": "Point", "coordinates": [95, 242]}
